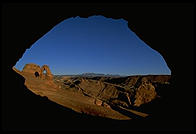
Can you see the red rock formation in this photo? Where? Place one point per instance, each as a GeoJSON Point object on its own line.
{"type": "Point", "coordinates": [98, 102]}
{"type": "Point", "coordinates": [31, 68]}
{"type": "Point", "coordinates": [145, 93]}
{"type": "Point", "coordinates": [48, 74]}
{"type": "Point", "coordinates": [36, 71]}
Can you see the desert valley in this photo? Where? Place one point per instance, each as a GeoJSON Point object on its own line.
{"type": "Point", "coordinates": [109, 96]}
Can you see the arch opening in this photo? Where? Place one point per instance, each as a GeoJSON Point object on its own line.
{"type": "Point", "coordinates": [36, 74]}
{"type": "Point", "coordinates": [44, 72]}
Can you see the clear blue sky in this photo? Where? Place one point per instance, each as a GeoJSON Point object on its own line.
{"type": "Point", "coordinates": [95, 44]}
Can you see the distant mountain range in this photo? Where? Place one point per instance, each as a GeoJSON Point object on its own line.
{"type": "Point", "coordinates": [106, 75]}
{"type": "Point", "coordinates": [101, 75]}
{"type": "Point", "coordinates": [94, 75]}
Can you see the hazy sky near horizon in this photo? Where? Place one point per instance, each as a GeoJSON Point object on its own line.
{"type": "Point", "coordinates": [95, 44]}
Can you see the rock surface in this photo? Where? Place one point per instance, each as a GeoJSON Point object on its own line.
{"type": "Point", "coordinates": [145, 93]}
{"type": "Point", "coordinates": [36, 71]}
{"type": "Point", "coordinates": [48, 74]}
{"type": "Point", "coordinates": [31, 68]}
{"type": "Point", "coordinates": [100, 96]}
{"type": "Point", "coordinates": [122, 91]}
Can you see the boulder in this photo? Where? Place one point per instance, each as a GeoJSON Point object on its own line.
{"type": "Point", "coordinates": [98, 102]}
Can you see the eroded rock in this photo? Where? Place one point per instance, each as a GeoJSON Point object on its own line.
{"type": "Point", "coordinates": [32, 68]}
{"type": "Point", "coordinates": [104, 104]}
{"type": "Point", "coordinates": [48, 74]}
{"type": "Point", "coordinates": [36, 71]}
{"type": "Point", "coordinates": [145, 93]}
{"type": "Point", "coordinates": [98, 102]}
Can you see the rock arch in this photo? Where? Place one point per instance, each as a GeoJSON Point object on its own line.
{"type": "Point", "coordinates": [36, 71]}
{"type": "Point", "coordinates": [48, 74]}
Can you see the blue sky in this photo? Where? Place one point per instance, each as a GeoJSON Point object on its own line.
{"type": "Point", "coordinates": [94, 44]}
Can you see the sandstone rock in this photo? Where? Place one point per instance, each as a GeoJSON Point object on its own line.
{"type": "Point", "coordinates": [109, 92]}
{"type": "Point", "coordinates": [128, 98]}
{"type": "Point", "coordinates": [105, 92]}
{"type": "Point", "coordinates": [133, 90]}
{"type": "Point", "coordinates": [98, 102]}
{"type": "Point", "coordinates": [101, 103]}
{"type": "Point", "coordinates": [36, 71]}
{"type": "Point", "coordinates": [104, 104]}
{"type": "Point", "coordinates": [118, 102]}
{"type": "Point", "coordinates": [145, 93]}
{"type": "Point", "coordinates": [32, 68]}
{"type": "Point", "coordinates": [48, 74]}
{"type": "Point", "coordinates": [91, 87]}
{"type": "Point", "coordinates": [131, 81]}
